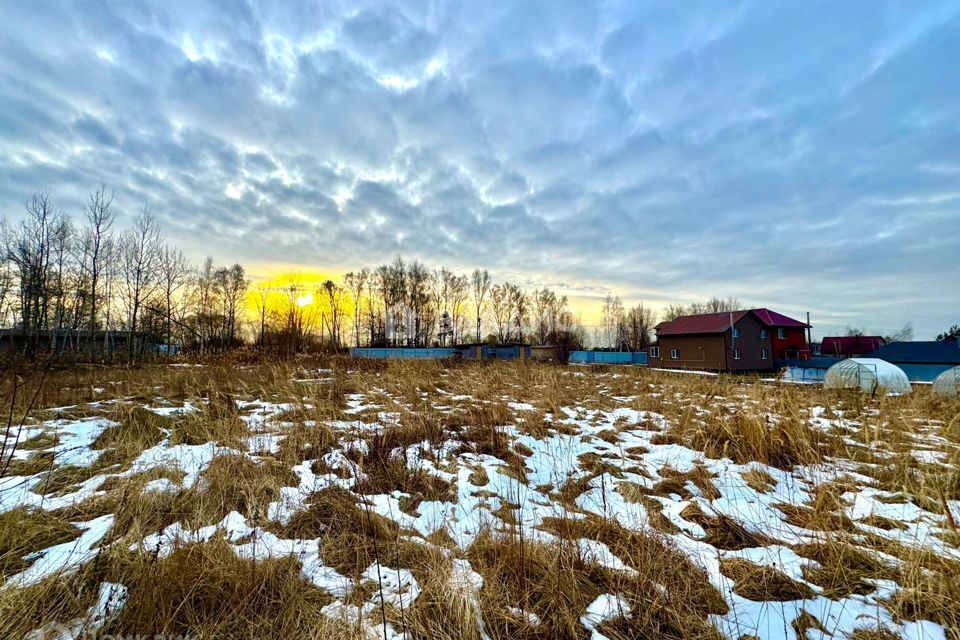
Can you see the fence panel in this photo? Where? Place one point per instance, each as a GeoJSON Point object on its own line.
{"type": "Point", "coordinates": [404, 353]}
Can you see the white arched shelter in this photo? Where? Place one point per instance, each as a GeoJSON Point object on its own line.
{"type": "Point", "coordinates": [867, 374]}
{"type": "Point", "coordinates": [948, 383]}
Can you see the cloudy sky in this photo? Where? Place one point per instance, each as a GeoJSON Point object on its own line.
{"type": "Point", "coordinates": [797, 155]}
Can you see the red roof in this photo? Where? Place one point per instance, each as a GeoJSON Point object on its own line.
{"type": "Point", "coordinates": [703, 323]}
{"type": "Point", "coordinates": [720, 322]}
{"type": "Point", "coordinates": [774, 319]}
{"type": "Point", "coordinates": [850, 345]}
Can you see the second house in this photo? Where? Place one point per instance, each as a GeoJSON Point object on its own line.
{"type": "Point", "coordinates": [746, 340]}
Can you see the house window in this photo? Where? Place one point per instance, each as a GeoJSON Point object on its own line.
{"type": "Point", "coordinates": [764, 354]}
{"type": "Point", "coordinates": [675, 354]}
{"type": "Point", "coordinates": [763, 334]}
{"type": "Point", "coordinates": [654, 352]}
{"type": "Point", "coordinates": [780, 334]}
{"type": "Point", "coordinates": [736, 332]}
{"type": "Point", "coordinates": [736, 354]}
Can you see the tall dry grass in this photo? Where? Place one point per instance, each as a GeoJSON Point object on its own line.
{"type": "Point", "coordinates": [206, 591]}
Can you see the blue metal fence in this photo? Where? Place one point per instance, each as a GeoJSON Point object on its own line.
{"type": "Point", "coordinates": [608, 357]}
{"type": "Point", "coordinates": [488, 352]}
{"type": "Point", "coordinates": [394, 353]}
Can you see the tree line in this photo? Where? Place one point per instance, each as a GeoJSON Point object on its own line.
{"type": "Point", "coordinates": [408, 304]}
{"type": "Point", "coordinates": [96, 287]}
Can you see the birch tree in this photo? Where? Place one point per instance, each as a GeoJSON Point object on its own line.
{"type": "Point", "coordinates": [140, 255]}
{"type": "Point", "coordinates": [480, 281]}
{"type": "Point", "coordinates": [501, 307]}
{"type": "Point", "coordinates": [520, 307]}
{"type": "Point", "coordinates": [355, 283]}
{"type": "Point", "coordinates": [173, 271]}
{"type": "Point", "coordinates": [96, 237]}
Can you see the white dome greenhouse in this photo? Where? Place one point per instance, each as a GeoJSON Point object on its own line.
{"type": "Point", "coordinates": [868, 374]}
{"type": "Point", "coordinates": [948, 382]}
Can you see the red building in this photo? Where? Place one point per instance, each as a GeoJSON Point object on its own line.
{"type": "Point", "coordinates": [850, 346]}
{"type": "Point", "coordinates": [789, 336]}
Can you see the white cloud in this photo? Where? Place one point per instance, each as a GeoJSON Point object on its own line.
{"type": "Point", "coordinates": [793, 155]}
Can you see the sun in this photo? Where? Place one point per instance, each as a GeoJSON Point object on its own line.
{"type": "Point", "coordinates": [305, 299]}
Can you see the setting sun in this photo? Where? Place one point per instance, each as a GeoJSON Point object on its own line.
{"type": "Point", "coordinates": [305, 299]}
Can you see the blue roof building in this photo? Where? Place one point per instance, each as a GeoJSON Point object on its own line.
{"type": "Point", "coordinates": [921, 361]}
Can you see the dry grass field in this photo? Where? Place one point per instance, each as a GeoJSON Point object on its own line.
{"type": "Point", "coordinates": [358, 499]}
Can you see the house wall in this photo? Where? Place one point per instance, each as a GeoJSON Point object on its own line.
{"type": "Point", "coordinates": [696, 352]}
{"type": "Point", "coordinates": [794, 338]}
{"type": "Point", "coordinates": [750, 344]}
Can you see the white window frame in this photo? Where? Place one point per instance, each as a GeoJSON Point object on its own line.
{"type": "Point", "coordinates": [780, 334]}
{"type": "Point", "coordinates": [654, 352]}
{"type": "Point", "coordinates": [674, 354]}
{"type": "Point", "coordinates": [736, 354]}
{"type": "Point", "coordinates": [764, 354]}
{"type": "Point", "coordinates": [736, 332]}
{"type": "Point", "coordinates": [763, 334]}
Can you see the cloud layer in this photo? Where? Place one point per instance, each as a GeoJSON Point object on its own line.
{"type": "Point", "coordinates": [804, 156]}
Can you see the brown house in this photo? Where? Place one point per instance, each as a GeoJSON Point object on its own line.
{"type": "Point", "coordinates": [749, 340]}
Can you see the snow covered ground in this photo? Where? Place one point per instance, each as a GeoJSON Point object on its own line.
{"type": "Point", "coordinates": [613, 452]}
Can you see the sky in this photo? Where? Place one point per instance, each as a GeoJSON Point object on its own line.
{"type": "Point", "coordinates": [803, 156]}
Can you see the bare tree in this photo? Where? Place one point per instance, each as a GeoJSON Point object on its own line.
{"type": "Point", "coordinates": [458, 290]}
{"type": "Point", "coordinates": [418, 301]}
{"type": "Point", "coordinates": [713, 305]}
{"type": "Point", "coordinates": [231, 286]}
{"type": "Point", "coordinates": [355, 283]}
{"type": "Point", "coordinates": [719, 305]}
{"type": "Point", "coordinates": [640, 321]}
{"type": "Point", "coordinates": [204, 299]}
{"type": "Point", "coordinates": [140, 256]}
{"type": "Point", "coordinates": [377, 330]}
{"type": "Point", "coordinates": [61, 255]}
{"type": "Point", "coordinates": [501, 306]}
{"type": "Point", "coordinates": [673, 311]}
{"type": "Point", "coordinates": [96, 236]}
{"type": "Point", "coordinates": [110, 276]}
{"type": "Point", "coordinates": [904, 334]}
{"type": "Point", "coordinates": [37, 253]}
{"type": "Point", "coordinates": [612, 322]}
{"type": "Point", "coordinates": [383, 293]}
{"type": "Point", "coordinates": [6, 280]}
{"type": "Point", "coordinates": [296, 314]}
{"type": "Point", "coordinates": [392, 283]}
{"type": "Point", "coordinates": [173, 272]}
{"type": "Point", "coordinates": [481, 286]}
{"type": "Point", "coordinates": [544, 301]}
{"type": "Point", "coordinates": [334, 296]}
{"type": "Point", "coordinates": [520, 305]}
{"type": "Point", "coordinates": [261, 302]}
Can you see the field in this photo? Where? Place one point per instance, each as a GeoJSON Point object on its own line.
{"type": "Point", "coordinates": [346, 499]}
